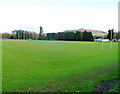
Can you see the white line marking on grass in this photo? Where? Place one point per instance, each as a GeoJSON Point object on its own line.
{"type": "Point", "coordinates": [67, 41]}
{"type": "Point", "coordinates": [30, 57]}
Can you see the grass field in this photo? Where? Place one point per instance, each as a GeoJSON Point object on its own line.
{"type": "Point", "coordinates": [55, 66]}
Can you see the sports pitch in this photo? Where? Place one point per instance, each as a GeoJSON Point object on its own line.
{"type": "Point", "coordinates": [57, 66]}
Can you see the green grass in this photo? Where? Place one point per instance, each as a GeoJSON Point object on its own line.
{"type": "Point", "coordinates": [68, 66]}
{"type": "Point", "coordinates": [116, 88]}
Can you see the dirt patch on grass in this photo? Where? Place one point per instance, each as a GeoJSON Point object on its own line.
{"type": "Point", "coordinates": [106, 86]}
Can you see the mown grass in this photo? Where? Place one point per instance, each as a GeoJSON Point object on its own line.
{"type": "Point", "coordinates": [65, 66]}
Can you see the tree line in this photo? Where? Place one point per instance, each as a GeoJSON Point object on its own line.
{"type": "Point", "coordinates": [68, 36]}
{"type": "Point", "coordinates": [78, 36]}
{"type": "Point", "coordinates": [20, 34]}
{"type": "Point", "coordinates": [71, 36]}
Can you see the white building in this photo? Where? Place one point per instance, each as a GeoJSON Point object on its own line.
{"type": "Point", "coordinates": [101, 40]}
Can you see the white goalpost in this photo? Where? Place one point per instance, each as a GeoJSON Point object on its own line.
{"type": "Point", "coordinates": [102, 43]}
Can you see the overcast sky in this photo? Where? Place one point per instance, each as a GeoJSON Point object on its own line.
{"type": "Point", "coordinates": [58, 15]}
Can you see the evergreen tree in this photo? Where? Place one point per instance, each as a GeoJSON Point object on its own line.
{"type": "Point", "coordinates": [78, 36]}
{"type": "Point", "coordinates": [110, 35]}
{"type": "Point", "coordinates": [40, 34]}
{"type": "Point", "coordinates": [87, 36]}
